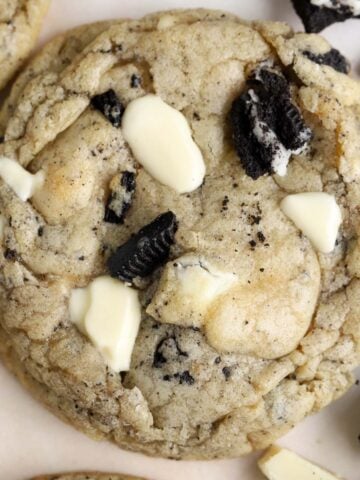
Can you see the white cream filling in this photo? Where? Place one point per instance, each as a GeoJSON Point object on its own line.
{"type": "Point", "coordinates": [19, 179]}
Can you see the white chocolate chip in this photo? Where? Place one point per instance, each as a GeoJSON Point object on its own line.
{"type": "Point", "coordinates": [188, 288]}
{"type": "Point", "coordinates": [108, 312]}
{"type": "Point", "coordinates": [166, 21]}
{"type": "Point", "coordinates": [161, 141]}
{"type": "Point", "coordinates": [282, 464]}
{"type": "Point", "coordinates": [317, 215]}
{"type": "Point", "coordinates": [20, 180]}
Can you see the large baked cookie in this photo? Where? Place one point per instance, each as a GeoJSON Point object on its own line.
{"type": "Point", "coordinates": [20, 22]}
{"type": "Point", "coordinates": [180, 258]}
{"type": "Point", "coordinates": [86, 476]}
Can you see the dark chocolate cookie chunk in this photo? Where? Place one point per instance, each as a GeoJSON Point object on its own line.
{"type": "Point", "coordinates": [267, 126]}
{"type": "Point", "coordinates": [110, 106]}
{"type": "Point", "coordinates": [146, 250]}
{"type": "Point", "coordinates": [315, 18]}
{"type": "Point", "coordinates": [333, 58]}
{"type": "Point", "coordinates": [122, 190]}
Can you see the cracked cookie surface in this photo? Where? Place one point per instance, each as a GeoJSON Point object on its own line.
{"type": "Point", "coordinates": [191, 392]}
{"type": "Point", "coordinates": [20, 22]}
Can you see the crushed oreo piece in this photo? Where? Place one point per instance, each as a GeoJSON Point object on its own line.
{"type": "Point", "coordinates": [167, 348]}
{"type": "Point", "coordinates": [10, 254]}
{"type": "Point", "coordinates": [185, 377]}
{"type": "Point", "coordinates": [333, 58]}
{"type": "Point", "coordinates": [315, 18]}
{"type": "Point", "coordinates": [135, 81]}
{"type": "Point", "coordinates": [122, 192]}
{"type": "Point", "coordinates": [267, 126]}
{"type": "Point", "coordinates": [2, 139]}
{"type": "Point", "coordinates": [146, 250]}
{"type": "Point", "coordinates": [110, 106]}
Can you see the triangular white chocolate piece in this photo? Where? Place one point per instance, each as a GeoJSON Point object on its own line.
{"type": "Point", "coordinates": [317, 215]}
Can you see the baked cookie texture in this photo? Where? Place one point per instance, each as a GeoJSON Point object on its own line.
{"type": "Point", "coordinates": [86, 476]}
{"type": "Point", "coordinates": [192, 390]}
{"type": "Point", "coordinates": [20, 22]}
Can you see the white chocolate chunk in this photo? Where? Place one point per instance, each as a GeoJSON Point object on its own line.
{"type": "Point", "coordinates": [2, 226]}
{"type": "Point", "coordinates": [188, 288]}
{"type": "Point", "coordinates": [20, 180]}
{"type": "Point", "coordinates": [281, 464]}
{"type": "Point", "coordinates": [161, 141]}
{"type": "Point", "coordinates": [317, 215]}
{"type": "Point", "coordinates": [166, 21]}
{"type": "Point", "coordinates": [108, 312]}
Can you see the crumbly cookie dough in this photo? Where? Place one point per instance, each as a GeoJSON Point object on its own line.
{"type": "Point", "coordinates": [278, 345]}
{"type": "Point", "coordinates": [20, 22]}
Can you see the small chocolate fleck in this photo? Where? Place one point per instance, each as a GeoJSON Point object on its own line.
{"type": "Point", "coordinates": [252, 243]}
{"type": "Point", "coordinates": [226, 372]}
{"type": "Point", "coordinates": [167, 345]}
{"type": "Point", "coordinates": [217, 360]}
{"type": "Point", "coordinates": [135, 81]}
{"type": "Point", "coordinates": [261, 237]}
{"type": "Point", "coordinates": [10, 254]}
{"type": "Point", "coordinates": [185, 377]}
{"type": "Point", "coordinates": [40, 231]}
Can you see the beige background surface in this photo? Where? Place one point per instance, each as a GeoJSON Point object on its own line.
{"type": "Point", "coordinates": [32, 441]}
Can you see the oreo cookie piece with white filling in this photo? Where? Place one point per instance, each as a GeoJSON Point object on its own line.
{"type": "Point", "coordinates": [122, 190]}
{"type": "Point", "coordinates": [267, 126]}
{"type": "Point", "coordinates": [319, 14]}
{"type": "Point", "coordinates": [333, 58]}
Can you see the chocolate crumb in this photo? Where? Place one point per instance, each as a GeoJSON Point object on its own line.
{"type": "Point", "coordinates": [261, 237]}
{"type": "Point", "coordinates": [135, 81]}
{"type": "Point", "coordinates": [185, 377]}
{"type": "Point", "coordinates": [226, 372]}
{"type": "Point", "coordinates": [167, 346]}
{"type": "Point", "coordinates": [217, 360]}
{"type": "Point", "coordinates": [10, 254]}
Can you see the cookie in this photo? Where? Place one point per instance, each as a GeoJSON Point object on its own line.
{"type": "Point", "coordinates": [319, 14]}
{"type": "Point", "coordinates": [217, 308]}
{"type": "Point", "coordinates": [20, 22]}
{"type": "Point", "coordinates": [86, 476]}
